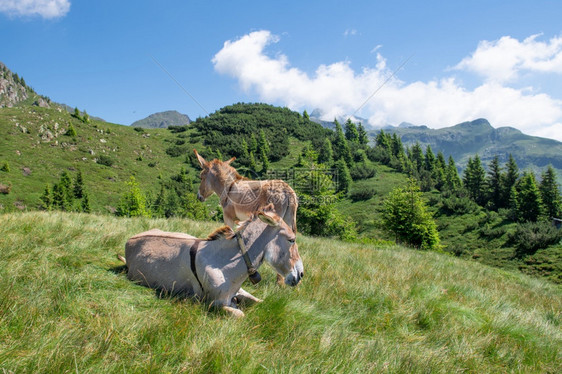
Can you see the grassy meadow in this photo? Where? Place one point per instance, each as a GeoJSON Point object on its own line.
{"type": "Point", "coordinates": [67, 306]}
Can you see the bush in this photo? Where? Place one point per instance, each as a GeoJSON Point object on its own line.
{"type": "Point", "coordinates": [362, 171]}
{"type": "Point", "coordinates": [105, 160]}
{"type": "Point", "coordinates": [5, 167]}
{"type": "Point", "coordinates": [362, 193]}
{"type": "Point", "coordinates": [459, 205]}
{"type": "Point", "coordinates": [529, 237]}
{"type": "Point", "coordinates": [138, 129]}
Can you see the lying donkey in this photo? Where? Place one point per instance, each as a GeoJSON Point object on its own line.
{"type": "Point", "coordinates": [214, 269]}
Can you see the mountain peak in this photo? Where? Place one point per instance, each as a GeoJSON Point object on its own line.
{"type": "Point", "coordinates": [163, 120]}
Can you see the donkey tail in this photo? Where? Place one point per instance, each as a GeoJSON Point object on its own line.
{"type": "Point", "coordinates": [121, 258]}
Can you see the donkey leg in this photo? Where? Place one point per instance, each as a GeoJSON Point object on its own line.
{"type": "Point", "coordinates": [232, 311]}
{"type": "Point", "coordinates": [247, 298]}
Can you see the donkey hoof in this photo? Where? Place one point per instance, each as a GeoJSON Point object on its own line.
{"type": "Point", "coordinates": [233, 312]}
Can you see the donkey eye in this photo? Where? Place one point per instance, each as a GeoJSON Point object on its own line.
{"type": "Point", "coordinates": [292, 241]}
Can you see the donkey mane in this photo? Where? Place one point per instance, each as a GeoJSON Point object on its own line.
{"type": "Point", "coordinates": [226, 232]}
{"type": "Point", "coordinates": [220, 233]}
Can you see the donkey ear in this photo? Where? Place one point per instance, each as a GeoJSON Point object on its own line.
{"type": "Point", "coordinates": [229, 161]}
{"type": "Point", "coordinates": [268, 218]}
{"type": "Point", "coordinates": [201, 160]}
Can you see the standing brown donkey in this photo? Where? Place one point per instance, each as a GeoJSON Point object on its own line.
{"type": "Point", "coordinates": [241, 197]}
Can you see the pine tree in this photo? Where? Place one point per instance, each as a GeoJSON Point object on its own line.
{"type": "Point", "coordinates": [252, 165]}
{"type": "Point", "coordinates": [474, 180]}
{"type": "Point", "coordinates": [253, 145]}
{"type": "Point", "coordinates": [417, 157]}
{"type": "Point", "coordinates": [396, 145]}
{"type": "Point", "coordinates": [71, 131]}
{"type": "Point", "coordinates": [429, 161]}
{"type": "Point", "coordinates": [363, 138]}
{"type": "Point", "coordinates": [550, 193]}
{"type": "Point", "coordinates": [510, 178]}
{"type": "Point", "coordinates": [351, 133]}
{"type": "Point", "coordinates": [47, 199]}
{"type": "Point", "coordinates": [326, 153]}
{"type": "Point", "coordinates": [344, 177]}
{"type": "Point", "coordinates": [264, 161]}
{"type": "Point", "coordinates": [263, 144]}
{"type": "Point", "coordinates": [133, 201]}
{"type": "Point", "coordinates": [495, 184]}
{"type": "Point", "coordinates": [305, 115]}
{"type": "Point", "coordinates": [529, 199]}
{"type": "Point", "coordinates": [85, 205]}
{"type": "Point", "coordinates": [78, 187]}
{"type": "Point", "coordinates": [341, 148]}
{"type": "Point", "coordinates": [407, 216]}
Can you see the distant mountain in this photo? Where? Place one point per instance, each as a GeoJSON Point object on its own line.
{"type": "Point", "coordinates": [316, 115]}
{"type": "Point", "coordinates": [479, 137]}
{"type": "Point", "coordinates": [163, 120]}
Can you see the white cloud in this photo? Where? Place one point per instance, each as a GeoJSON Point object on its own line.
{"type": "Point", "coordinates": [338, 90]}
{"type": "Point", "coordinates": [503, 60]}
{"type": "Point", "coordinates": [43, 8]}
{"type": "Point", "coordinates": [350, 32]}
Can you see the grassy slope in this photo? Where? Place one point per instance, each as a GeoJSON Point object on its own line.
{"type": "Point", "coordinates": [47, 160]}
{"type": "Point", "coordinates": [64, 306]}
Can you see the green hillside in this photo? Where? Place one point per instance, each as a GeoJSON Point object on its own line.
{"type": "Point", "coordinates": [37, 150]}
{"type": "Point", "coordinates": [66, 306]}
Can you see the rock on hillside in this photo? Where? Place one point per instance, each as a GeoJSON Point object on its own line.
{"type": "Point", "coordinates": [14, 90]}
{"type": "Point", "coordinates": [163, 120]}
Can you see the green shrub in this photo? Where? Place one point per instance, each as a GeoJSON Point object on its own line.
{"type": "Point", "coordinates": [362, 171]}
{"type": "Point", "coordinates": [455, 203]}
{"type": "Point", "coordinates": [138, 129]}
{"type": "Point", "coordinates": [529, 237]}
{"type": "Point", "coordinates": [5, 167]}
{"type": "Point", "coordinates": [362, 193]}
{"type": "Point", "coordinates": [71, 131]}
{"type": "Point", "coordinates": [105, 160]}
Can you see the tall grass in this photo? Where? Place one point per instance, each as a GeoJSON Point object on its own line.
{"type": "Point", "coordinates": [67, 306]}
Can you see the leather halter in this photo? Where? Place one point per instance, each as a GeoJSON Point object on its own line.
{"type": "Point", "coordinates": [192, 253]}
{"type": "Point", "coordinates": [253, 274]}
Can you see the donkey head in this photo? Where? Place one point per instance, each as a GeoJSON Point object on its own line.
{"type": "Point", "coordinates": [282, 252]}
{"type": "Point", "coordinates": [213, 175]}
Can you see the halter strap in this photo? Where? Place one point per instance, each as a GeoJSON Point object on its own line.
{"type": "Point", "coordinates": [253, 274]}
{"type": "Point", "coordinates": [192, 253]}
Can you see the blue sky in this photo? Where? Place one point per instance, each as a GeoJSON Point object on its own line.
{"type": "Point", "coordinates": [460, 60]}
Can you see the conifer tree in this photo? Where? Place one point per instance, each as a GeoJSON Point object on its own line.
{"type": "Point", "coordinates": [305, 115]}
{"type": "Point", "coordinates": [263, 144]}
{"type": "Point", "coordinates": [351, 133]}
{"type": "Point", "coordinates": [529, 199]}
{"type": "Point", "coordinates": [417, 157]}
{"type": "Point", "coordinates": [362, 136]}
{"type": "Point", "coordinates": [344, 177]}
{"type": "Point", "coordinates": [407, 216]}
{"type": "Point", "coordinates": [264, 161]}
{"type": "Point", "coordinates": [510, 178]}
{"type": "Point", "coordinates": [429, 161]}
{"type": "Point", "coordinates": [47, 199]}
{"type": "Point", "coordinates": [550, 193]}
{"type": "Point", "coordinates": [495, 184]}
{"type": "Point", "coordinates": [85, 205]}
{"type": "Point", "coordinates": [341, 148]}
{"type": "Point", "coordinates": [474, 180]}
{"type": "Point", "coordinates": [78, 187]}
{"type": "Point", "coordinates": [133, 201]}
{"type": "Point", "coordinates": [253, 145]}
{"type": "Point", "coordinates": [326, 153]}
{"type": "Point", "coordinates": [252, 165]}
